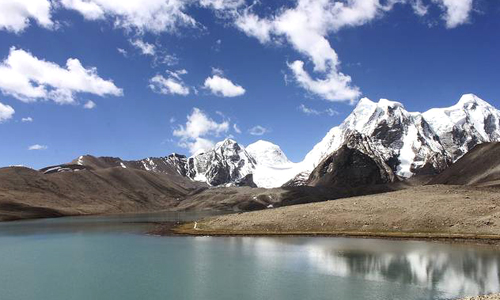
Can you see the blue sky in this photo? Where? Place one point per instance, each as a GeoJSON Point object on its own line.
{"type": "Point", "coordinates": [236, 68]}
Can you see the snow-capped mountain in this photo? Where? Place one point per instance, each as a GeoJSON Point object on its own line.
{"type": "Point", "coordinates": [230, 163]}
{"type": "Point", "coordinates": [226, 163]}
{"type": "Point", "coordinates": [407, 143]}
{"type": "Point", "coordinates": [267, 154]}
{"type": "Point", "coordinates": [272, 169]}
{"type": "Point", "coordinates": [405, 140]}
{"type": "Point", "coordinates": [469, 122]}
{"type": "Point", "coordinates": [413, 142]}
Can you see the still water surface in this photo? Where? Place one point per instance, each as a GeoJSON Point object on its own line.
{"type": "Point", "coordinates": [112, 258]}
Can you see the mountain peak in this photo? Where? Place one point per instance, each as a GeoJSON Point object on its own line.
{"type": "Point", "coordinates": [267, 153]}
{"type": "Point", "coordinates": [262, 144]}
{"type": "Point", "coordinates": [470, 101]}
{"type": "Point", "coordinates": [226, 142]}
{"type": "Point", "coordinates": [388, 103]}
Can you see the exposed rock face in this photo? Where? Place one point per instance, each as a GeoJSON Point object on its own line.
{"type": "Point", "coordinates": [403, 140]}
{"type": "Point", "coordinates": [227, 162]}
{"type": "Point", "coordinates": [412, 143]}
{"type": "Point", "coordinates": [354, 164]}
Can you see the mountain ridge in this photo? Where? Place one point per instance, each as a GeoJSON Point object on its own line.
{"type": "Point", "coordinates": [410, 143]}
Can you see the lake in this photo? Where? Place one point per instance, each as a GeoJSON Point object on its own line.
{"type": "Point", "coordinates": [110, 257]}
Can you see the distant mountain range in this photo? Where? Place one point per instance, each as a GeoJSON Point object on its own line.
{"type": "Point", "coordinates": [405, 143]}
{"type": "Point", "coordinates": [374, 150]}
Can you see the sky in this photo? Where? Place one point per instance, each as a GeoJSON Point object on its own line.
{"type": "Point", "coordinates": [141, 78]}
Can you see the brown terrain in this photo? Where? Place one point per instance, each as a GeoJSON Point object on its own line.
{"type": "Point", "coordinates": [27, 194]}
{"type": "Point", "coordinates": [432, 211]}
{"type": "Point", "coordinates": [479, 167]}
{"type": "Point", "coordinates": [108, 185]}
{"type": "Point", "coordinates": [462, 202]}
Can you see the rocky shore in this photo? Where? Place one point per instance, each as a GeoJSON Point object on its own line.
{"type": "Point", "coordinates": [436, 212]}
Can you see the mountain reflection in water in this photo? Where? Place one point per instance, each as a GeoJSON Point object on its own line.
{"type": "Point", "coordinates": [429, 266]}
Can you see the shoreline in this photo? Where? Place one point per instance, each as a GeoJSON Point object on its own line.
{"type": "Point", "coordinates": [437, 213]}
{"type": "Point", "coordinates": [187, 229]}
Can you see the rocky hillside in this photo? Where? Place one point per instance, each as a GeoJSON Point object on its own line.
{"type": "Point", "coordinates": [75, 189]}
{"type": "Point", "coordinates": [411, 143]}
{"type": "Point", "coordinates": [480, 167]}
{"type": "Point", "coordinates": [355, 164]}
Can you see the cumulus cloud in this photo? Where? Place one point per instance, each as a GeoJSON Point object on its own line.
{"type": "Point", "coordinates": [144, 47]}
{"type": "Point", "coordinates": [196, 133]}
{"type": "Point", "coordinates": [15, 15]}
{"type": "Point", "coordinates": [154, 16]}
{"type": "Point", "coordinates": [89, 105]}
{"type": "Point", "coordinates": [223, 87]}
{"type": "Point", "coordinates": [28, 79]}
{"type": "Point", "coordinates": [456, 11]}
{"type": "Point", "coordinates": [27, 120]}
{"type": "Point", "coordinates": [256, 27]}
{"type": "Point", "coordinates": [314, 112]}
{"type": "Point", "coordinates": [6, 112]}
{"type": "Point", "coordinates": [38, 147]}
{"type": "Point", "coordinates": [258, 130]}
{"type": "Point", "coordinates": [306, 27]}
{"type": "Point", "coordinates": [336, 86]}
{"type": "Point", "coordinates": [170, 85]}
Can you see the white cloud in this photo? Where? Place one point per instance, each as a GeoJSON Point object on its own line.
{"type": "Point", "coordinates": [217, 71]}
{"type": "Point", "coordinates": [171, 85]}
{"type": "Point", "coordinates": [457, 11]}
{"type": "Point", "coordinates": [141, 15]}
{"type": "Point", "coordinates": [256, 27]}
{"type": "Point", "coordinates": [222, 4]}
{"type": "Point", "coordinates": [122, 51]}
{"type": "Point", "coordinates": [28, 119]}
{"type": "Point", "coordinates": [331, 112]}
{"type": "Point", "coordinates": [223, 87]}
{"type": "Point", "coordinates": [6, 112]}
{"type": "Point", "coordinates": [419, 7]}
{"type": "Point", "coordinates": [89, 105]}
{"type": "Point", "coordinates": [311, 111]}
{"type": "Point", "coordinates": [306, 28]}
{"type": "Point", "coordinates": [38, 147]}
{"type": "Point", "coordinates": [194, 135]}
{"type": "Point", "coordinates": [145, 47]}
{"type": "Point", "coordinates": [258, 130]}
{"type": "Point", "coordinates": [28, 78]}
{"type": "Point", "coordinates": [334, 87]}
{"type": "Point", "coordinates": [236, 128]}
{"type": "Point", "coordinates": [15, 15]}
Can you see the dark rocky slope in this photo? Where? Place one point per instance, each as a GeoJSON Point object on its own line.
{"type": "Point", "coordinates": [354, 165]}
{"type": "Point", "coordinates": [479, 167]}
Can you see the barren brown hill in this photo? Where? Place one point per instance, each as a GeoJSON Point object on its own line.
{"type": "Point", "coordinates": [479, 167]}
{"type": "Point", "coordinates": [432, 211]}
{"type": "Point", "coordinates": [27, 193]}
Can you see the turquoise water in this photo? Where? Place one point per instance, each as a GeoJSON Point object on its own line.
{"type": "Point", "coordinates": [111, 258]}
